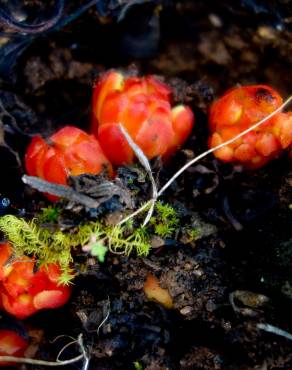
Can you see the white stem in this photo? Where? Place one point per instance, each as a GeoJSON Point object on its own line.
{"type": "Point", "coordinates": [145, 163]}
{"type": "Point", "coordinates": [31, 361]}
{"type": "Point", "coordinates": [230, 141]}
{"type": "Point", "coordinates": [275, 330]}
{"type": "Point", "coordinates": [202, 155]}
{"type": "Point", "coordinates": [139, 210]}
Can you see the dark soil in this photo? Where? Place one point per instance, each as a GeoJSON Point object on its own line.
{"type": "Point", "coordinates": [244, 254]}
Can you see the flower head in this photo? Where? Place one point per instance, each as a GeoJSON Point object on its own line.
{"type": "Point", "coordinates": [24, 289]}
{"type": "Point", "coordinates": [70, 151]}
{"type": "Point", "coordinates": [237, 110]}
{"type": "Point", "coordinates": [143, 106]}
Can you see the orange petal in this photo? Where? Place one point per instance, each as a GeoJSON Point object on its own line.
{"type": "Point", "coordinates": [156, 134]}
{"type": "Point", "coordinates": [5, 253]}
{"type": "Point", "coordinates": [154, 86]}
{"type": "Point", "coordinates": [228, 133]}
{"type": "Point", "coordinates": [225, 153]}
{"type": "Point", "coordinates": [244, 153]}
{"type": "Point", "coordinates": [267, 144]}
{"type": "Point", "coordinates": [182, 122]}
{"type": "Point", "coordinates": [68, 136]}
{"type": "Point", "coordinates": [51, 298]}
{"type": "Point", "coordinates": [54, 169]}
{"type": "Point", "coordinates": [225, 111]}
{"type": "Point", "coordinates": [112, 81]}
{"type": "Point", "coordinates": [21, 307]}
{"type": "Point", "coordinates": [115, 145]}
{"type": "Point", "coordinates": [86, 157]}
{"type": "Point", "coordinates": [134, 87]}
{"type": "Point", "coordinates": [18, 280]}
{"type": "Point", "coordinates": [137, 112]}
{"type": "Point", "coordinates": [52, 270]}
{"type": "Point", "coordinates": [153, 291]}
{"type": "Point", "coordinates": [283, 127]}
{"type": "Point", "coordinates": [113, 107]}
{"type": "Point", "coordinates": [263, 98]}
{"type": "Point", "coordinates": [35, 151]}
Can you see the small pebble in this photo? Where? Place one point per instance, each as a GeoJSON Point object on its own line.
{"type": "Point", "coordinates": [267, 33]}
{"type": "Point", "coordinates": [186, 310]}
{"type": "Point", "coordinates": [215, 20]}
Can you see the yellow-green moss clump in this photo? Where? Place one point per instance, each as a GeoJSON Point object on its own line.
{"type": "Point", "coordinates": [29, 238]}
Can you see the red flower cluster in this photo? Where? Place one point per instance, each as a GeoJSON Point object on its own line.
{"type": "Point", "coordinates": [24, 291]}
{"type": "Point", "coordinates": [143, 107]}
{"type": "Point", "coordinates": [70, 151]}
{"type": "Point", "coordinates": [239, 109]}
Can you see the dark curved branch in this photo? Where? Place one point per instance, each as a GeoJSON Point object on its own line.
{"type": "Point", "coordinates": [7, 19]}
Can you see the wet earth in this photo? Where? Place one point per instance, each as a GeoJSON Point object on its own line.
{"type": "Point", "coordinates": [230, 284]}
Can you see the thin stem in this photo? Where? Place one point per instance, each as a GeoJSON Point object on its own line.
{"type": "Point", "coordinates": [230, 141]}
{"type": "Point", "coordinates": [64, 348]}
{"type": "Point", "coordinates": [151, 210]}
{"type": "Point", "coordinates": [202, 155]}
{"type": "Point", "coordinates": [275, 330]}
{"type": "Point", "coordinates": [139, 210]}
{"type": "Point", "coordinates": [62, 336]}
{"type": "Point", "coordinates": [145, 163]}
{"type": "Point", "coordinates": [106, 316]}
{"type": "Point", "coordinates": [32, 361]}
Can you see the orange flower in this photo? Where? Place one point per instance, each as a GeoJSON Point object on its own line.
{"type": "Point", "coordinates": [143, 107]}
{"type": "Point", "coordinates": [24, 291]}
{"type": "Point", "coordinates": [237, 110]}
{"type": "Point", "coordinates": [70, 151]}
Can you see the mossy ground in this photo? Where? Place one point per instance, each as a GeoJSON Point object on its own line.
{"type": "Point", "coordinates": [198, 256]}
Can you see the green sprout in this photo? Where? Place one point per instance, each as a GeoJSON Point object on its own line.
{"type": "Point", "coordinates": [193, 234]}
{"type": "Point", "coordinates": [96, 248]}
{"type": "Point", "coordinates": [49, 214]}
{"type": "Point", "coordinates": [138, 366]}
{"type": "Point", "coordinates": [99, 251]}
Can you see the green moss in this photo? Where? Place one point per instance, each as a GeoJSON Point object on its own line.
{"type": "Point", "coordinates": [165, 220]}
{"type": "Point", "coordinates": [166, 211]}
{"type": "Point", "coordinates": [118, 242]}
{"type": "Point", "coordinates": [48, 247]}
{"type": "Point", "coordinates": [29, 238]}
